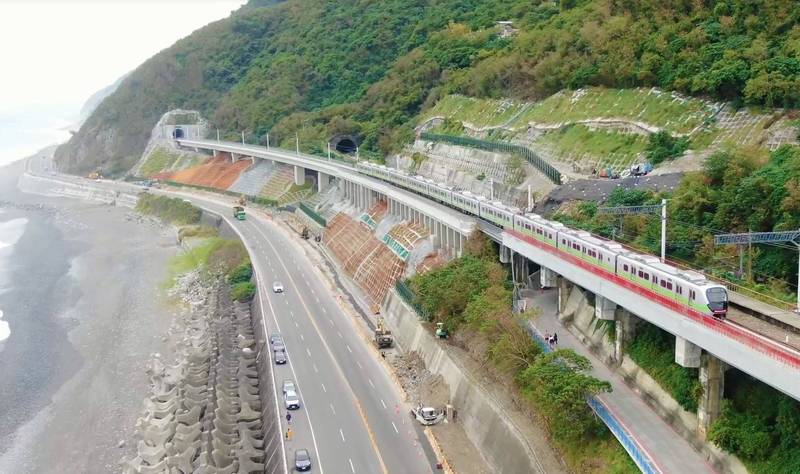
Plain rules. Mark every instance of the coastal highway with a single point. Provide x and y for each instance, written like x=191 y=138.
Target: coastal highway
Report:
x=352 y=418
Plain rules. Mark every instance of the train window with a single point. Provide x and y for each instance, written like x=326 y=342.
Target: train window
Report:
x=641 y=274
x=679 y=289
x=669 y=286
x=663 y=283
x=647 y=276
x=563 y=241
x=625 y=267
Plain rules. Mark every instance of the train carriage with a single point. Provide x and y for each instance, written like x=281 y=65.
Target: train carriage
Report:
x=535 y=226
x=467 y=201
x=498 y=214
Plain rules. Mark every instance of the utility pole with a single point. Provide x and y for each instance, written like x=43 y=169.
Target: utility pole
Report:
x=217 y=134
x=329 y=151
x=356 y=153
x=750 y=238
x=491 y=189
x=652 y=209
x=530 y=199
x=242 y=137
x=663 y=230
x=267 y=140
x=297 y=143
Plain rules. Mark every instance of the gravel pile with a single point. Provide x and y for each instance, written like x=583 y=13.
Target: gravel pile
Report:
x=204 y=414
x=420 y=385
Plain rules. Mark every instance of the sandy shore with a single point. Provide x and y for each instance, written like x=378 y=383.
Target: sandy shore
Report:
x=86 y=312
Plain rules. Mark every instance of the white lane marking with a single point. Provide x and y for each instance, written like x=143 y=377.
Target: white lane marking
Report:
x=330 y=321
x=315 y=368
x=323 y=388
x=383 y=403
x=339 y=334
x=371 y=384
x=348 y=348
x=359 y=365
x=351 y=466
x=341 y=433
x=296 y=325
x=308 y=351
x=324 y=310
x=302 y=338
x=395 y=428
x=332 y=409
x=291 y=313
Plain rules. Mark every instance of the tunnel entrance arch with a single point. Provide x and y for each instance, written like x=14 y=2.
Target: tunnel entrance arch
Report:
x=178 y=133
x=345 y=143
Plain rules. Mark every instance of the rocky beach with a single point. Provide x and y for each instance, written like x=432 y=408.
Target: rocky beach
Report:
x=80 y=291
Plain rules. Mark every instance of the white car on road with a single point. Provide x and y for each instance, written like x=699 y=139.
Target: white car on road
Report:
x=291 y=400
x=288 y=386
x=277 y=287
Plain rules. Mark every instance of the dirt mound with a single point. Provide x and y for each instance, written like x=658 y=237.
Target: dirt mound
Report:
x=217 y=172
x=421 y=385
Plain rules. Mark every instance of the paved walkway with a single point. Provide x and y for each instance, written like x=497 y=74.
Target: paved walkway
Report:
x=670 y=452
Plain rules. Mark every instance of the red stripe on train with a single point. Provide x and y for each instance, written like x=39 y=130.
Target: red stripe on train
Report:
x=774 y=351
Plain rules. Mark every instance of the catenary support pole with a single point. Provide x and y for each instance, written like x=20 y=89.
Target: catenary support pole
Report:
x=663 y=230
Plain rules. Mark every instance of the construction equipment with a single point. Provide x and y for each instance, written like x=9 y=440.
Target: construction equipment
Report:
x=441 y=332
x=242 y=200
x=304 y=233
x=383 y=336
x=238 y=212
x=427 y=415
x=95 y=175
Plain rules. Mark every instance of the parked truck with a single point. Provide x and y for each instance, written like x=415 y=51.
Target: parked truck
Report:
x=238 y=212
x=383 y=336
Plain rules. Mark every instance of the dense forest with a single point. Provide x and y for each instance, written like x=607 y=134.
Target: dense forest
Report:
x=319 y=68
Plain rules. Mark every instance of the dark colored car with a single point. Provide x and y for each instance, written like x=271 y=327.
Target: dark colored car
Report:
x=302 y=460
x=280 y=357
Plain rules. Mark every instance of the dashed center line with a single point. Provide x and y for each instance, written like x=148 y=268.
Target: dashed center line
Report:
x=348 y=348
x=308 y=351
x=351 y=466
x=296 y=325
x=359 y=365
x=383 y=403
x=323 y=388
x=395 y=428
x=315 y=368
x=370 y=383
x=339 y=334
x=302 y=338
x=332 y=409
x=341 y=433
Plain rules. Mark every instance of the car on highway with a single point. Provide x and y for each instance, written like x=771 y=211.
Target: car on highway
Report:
x=275 y=337
x=280 y=357
x=288 y=386
x=277 y=287
x=291 y=400
x=302 y=460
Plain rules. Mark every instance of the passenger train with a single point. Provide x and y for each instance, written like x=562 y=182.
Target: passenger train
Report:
x=679 y=289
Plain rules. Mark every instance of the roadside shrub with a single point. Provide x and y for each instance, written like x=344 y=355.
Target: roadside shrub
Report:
x=242 y=273
x=244 y=291
x=663 y=146
x=171 y=210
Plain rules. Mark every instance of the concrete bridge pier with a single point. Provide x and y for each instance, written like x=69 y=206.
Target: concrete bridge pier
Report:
x=712 y=378
x=505 y=254
x=323 y=181
x=564 y=287
x=686 y=353
x=519 y=267
x=547 y=278
x=604 y=308
x=625 y=329
x=299 y=175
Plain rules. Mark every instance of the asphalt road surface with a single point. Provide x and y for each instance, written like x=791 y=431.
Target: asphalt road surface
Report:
x=352 y=418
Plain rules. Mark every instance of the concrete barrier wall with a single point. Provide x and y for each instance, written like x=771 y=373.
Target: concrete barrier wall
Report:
x=501 y=443
x=55 y=187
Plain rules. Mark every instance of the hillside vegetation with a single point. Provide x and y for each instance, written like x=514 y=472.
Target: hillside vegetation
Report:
x=320 y=68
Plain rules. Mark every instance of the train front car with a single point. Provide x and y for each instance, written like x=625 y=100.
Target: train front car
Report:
x=717 y=300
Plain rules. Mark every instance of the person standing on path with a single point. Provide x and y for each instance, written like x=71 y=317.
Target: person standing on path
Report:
x=288 y=417
x=555 y=339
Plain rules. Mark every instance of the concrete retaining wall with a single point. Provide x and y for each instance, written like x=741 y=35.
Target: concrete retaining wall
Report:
x=500 y=441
